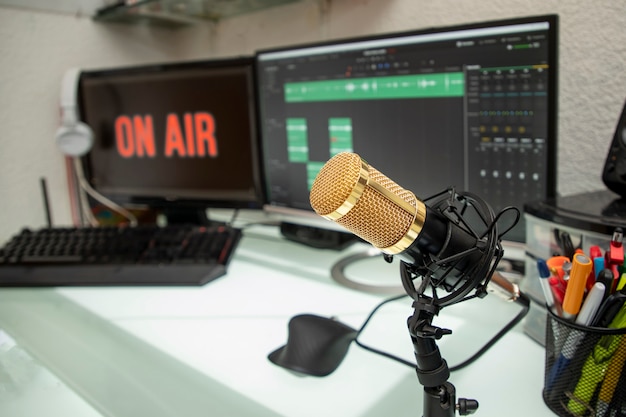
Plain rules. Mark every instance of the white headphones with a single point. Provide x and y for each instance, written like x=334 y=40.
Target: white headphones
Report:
x=73 y=137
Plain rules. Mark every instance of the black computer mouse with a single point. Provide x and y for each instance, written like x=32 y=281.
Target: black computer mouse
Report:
x=315 y=345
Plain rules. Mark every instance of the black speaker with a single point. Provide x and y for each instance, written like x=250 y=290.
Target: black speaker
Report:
x=614 y=174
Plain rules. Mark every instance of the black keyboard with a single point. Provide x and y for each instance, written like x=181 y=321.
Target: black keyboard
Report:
x=143 y=255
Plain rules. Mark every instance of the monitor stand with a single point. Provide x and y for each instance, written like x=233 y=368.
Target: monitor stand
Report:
x=187 y=215
x=317 y=237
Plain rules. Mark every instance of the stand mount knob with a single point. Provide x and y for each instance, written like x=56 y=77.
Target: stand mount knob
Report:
x=467 y=406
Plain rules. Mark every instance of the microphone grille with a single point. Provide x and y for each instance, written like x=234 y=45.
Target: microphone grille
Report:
x=381 y=220
x=335 y=182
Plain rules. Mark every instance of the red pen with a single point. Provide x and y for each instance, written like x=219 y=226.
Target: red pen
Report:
x=614 y=257
x=594 y=253
x=557 y=289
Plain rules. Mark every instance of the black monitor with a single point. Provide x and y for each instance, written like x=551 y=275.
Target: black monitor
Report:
x=471 y=106
x=177 y=138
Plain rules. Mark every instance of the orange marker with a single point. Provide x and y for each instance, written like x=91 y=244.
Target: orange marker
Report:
x=556 y=265
x=581 y=267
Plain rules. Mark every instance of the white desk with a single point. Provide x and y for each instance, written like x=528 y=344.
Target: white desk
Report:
x=174 y=351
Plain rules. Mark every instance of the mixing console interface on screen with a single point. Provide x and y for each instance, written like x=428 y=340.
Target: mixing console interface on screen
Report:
x=469 y=107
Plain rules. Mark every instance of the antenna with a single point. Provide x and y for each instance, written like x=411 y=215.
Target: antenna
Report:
x=46 y=201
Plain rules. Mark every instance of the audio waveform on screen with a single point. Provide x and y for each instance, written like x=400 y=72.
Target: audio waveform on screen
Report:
x=450 y=84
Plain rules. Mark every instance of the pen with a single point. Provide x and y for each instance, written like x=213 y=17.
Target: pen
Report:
x=598 y=266
x=544 y=279
x=567 y=268
x=581 y=266
x=585 y=317
x=611 y=380
x=595 y=366
x=567 y=246
x=558 y=290
x=595 y=252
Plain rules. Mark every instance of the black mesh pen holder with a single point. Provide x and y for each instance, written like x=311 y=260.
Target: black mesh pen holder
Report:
x=584 y=369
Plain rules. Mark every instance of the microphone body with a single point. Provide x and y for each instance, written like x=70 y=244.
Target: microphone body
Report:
x=354 y=194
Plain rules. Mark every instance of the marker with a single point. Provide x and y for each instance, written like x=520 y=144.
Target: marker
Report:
x=622 y=282
x=555 y=264
x=615 y=254
x=606 y=277
x=611 y=380
x=595 y=366
x=614 y=257
x=581 y=266
x=609 y=309
x=592 y=304
x=584 y=318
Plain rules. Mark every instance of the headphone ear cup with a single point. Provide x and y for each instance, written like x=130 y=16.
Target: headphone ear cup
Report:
x=75 y=140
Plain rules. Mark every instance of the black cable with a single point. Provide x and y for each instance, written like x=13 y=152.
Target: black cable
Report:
x=374 y=350
x=233 y=217
x=522 y=300
x=526 y=306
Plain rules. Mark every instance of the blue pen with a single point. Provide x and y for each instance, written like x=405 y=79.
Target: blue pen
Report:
x=584 y=318
x=544 y=280
x=598 y=266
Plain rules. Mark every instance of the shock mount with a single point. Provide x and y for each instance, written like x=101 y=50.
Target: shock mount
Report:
x=434 y=283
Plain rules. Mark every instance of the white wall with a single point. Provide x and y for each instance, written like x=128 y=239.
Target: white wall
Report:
x=37 y=47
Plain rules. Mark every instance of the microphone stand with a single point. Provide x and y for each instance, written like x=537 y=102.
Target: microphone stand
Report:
x=432 y=370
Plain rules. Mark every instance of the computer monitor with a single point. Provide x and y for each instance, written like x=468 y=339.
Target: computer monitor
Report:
x=177 y=138
x=471 y=106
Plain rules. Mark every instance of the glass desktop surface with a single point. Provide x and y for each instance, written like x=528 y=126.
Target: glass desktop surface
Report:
x=28 y=388
x=113 y=371
x=170 y=351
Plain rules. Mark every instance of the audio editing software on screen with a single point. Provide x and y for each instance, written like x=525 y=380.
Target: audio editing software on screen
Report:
x=465 y=107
